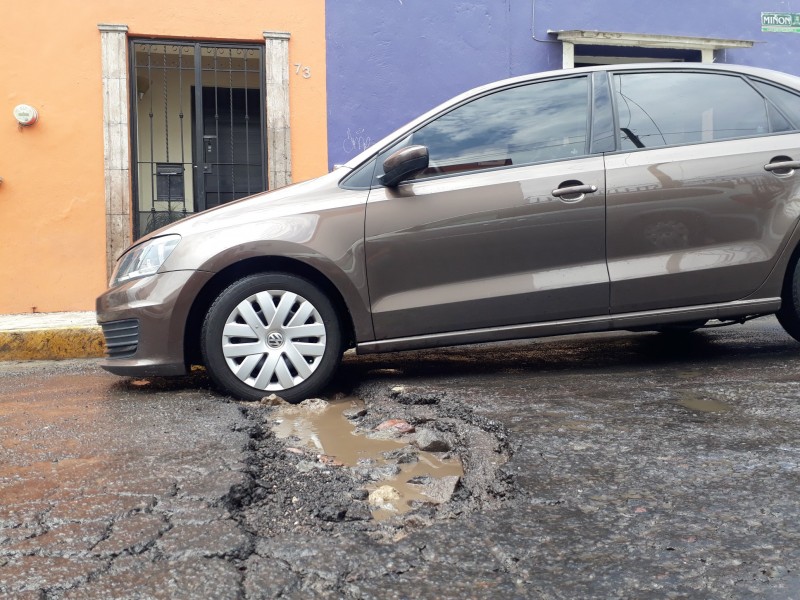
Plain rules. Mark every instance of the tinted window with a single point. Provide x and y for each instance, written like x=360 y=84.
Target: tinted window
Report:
x=661 y=109
x=362 y=178
x=787 y=102
x=777 y=122
x=532 y=123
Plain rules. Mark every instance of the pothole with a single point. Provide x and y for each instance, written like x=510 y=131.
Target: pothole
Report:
x=396 y=460
x=403 y=476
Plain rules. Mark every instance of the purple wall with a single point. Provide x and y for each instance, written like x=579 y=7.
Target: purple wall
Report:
x=389 y=60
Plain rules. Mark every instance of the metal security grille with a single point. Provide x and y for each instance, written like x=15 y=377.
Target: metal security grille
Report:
x=198 y=128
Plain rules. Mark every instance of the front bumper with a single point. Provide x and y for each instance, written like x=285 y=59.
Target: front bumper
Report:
x=144 y=322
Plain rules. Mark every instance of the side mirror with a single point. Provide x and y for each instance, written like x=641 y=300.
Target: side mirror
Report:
x=403 y=164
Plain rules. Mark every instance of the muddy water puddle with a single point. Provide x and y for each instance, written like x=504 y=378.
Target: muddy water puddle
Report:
x=700 y=403
x=412 y=476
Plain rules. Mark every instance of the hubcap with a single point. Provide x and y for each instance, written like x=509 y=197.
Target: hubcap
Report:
x=273 y=340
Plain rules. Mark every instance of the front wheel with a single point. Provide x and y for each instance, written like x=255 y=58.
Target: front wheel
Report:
x=272 y=333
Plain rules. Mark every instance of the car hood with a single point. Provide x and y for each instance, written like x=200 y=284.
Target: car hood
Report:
x=298 y=198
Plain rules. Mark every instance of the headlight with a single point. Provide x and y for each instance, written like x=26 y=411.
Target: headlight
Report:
x=144 y=259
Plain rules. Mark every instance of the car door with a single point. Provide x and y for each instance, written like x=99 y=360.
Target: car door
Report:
x=485 y=237
x=697 y=210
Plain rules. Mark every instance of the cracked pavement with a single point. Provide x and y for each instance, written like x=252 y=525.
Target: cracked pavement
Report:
x=640 y=465
x=112 y=492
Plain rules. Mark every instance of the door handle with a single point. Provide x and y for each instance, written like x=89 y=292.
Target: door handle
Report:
x=782 y=168
x=579 y=191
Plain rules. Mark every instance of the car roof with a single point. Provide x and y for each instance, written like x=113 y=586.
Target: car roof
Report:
x=768 y=74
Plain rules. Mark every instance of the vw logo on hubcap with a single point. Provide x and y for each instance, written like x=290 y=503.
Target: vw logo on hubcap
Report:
x=275 y=340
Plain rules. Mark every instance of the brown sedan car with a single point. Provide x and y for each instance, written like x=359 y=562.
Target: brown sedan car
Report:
x=626 y=197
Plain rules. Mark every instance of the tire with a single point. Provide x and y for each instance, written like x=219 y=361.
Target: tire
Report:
x=249 y=354
x=789 y=313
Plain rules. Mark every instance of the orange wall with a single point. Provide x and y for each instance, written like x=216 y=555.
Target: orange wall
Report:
x=52 y=203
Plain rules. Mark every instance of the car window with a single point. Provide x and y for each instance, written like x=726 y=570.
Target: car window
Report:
x=788 y=102
x=362 y=178
x=531 y=123
x=663 y=109
x=777 y=122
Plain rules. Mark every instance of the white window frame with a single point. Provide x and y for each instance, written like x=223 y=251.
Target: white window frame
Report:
x=706 y=46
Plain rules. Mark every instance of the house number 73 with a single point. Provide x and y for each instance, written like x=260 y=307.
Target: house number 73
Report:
x=302 y=70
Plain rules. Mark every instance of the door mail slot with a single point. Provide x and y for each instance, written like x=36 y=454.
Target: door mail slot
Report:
x=169 y=182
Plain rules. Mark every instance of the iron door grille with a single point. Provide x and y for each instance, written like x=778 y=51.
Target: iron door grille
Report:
x=198 y=128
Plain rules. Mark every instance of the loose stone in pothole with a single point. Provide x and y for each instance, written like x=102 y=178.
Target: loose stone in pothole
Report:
x=396 y=475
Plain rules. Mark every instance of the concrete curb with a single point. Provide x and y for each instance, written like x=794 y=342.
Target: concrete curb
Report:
x=50 y=337
x=52 y=344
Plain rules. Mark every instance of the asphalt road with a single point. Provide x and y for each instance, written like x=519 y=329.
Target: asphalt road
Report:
x=641 y=466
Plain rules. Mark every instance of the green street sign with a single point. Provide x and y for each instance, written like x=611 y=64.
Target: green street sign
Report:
x=782 y=22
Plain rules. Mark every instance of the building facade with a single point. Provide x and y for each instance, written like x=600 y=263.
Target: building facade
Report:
x=391 y=60
x=147 y=111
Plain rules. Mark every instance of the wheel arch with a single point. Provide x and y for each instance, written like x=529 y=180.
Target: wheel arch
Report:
x=779 y=278
x=788 y=315
x=249 y=266
x=788 y=270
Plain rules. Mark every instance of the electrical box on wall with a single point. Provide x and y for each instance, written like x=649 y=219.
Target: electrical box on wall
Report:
x=25 y=115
